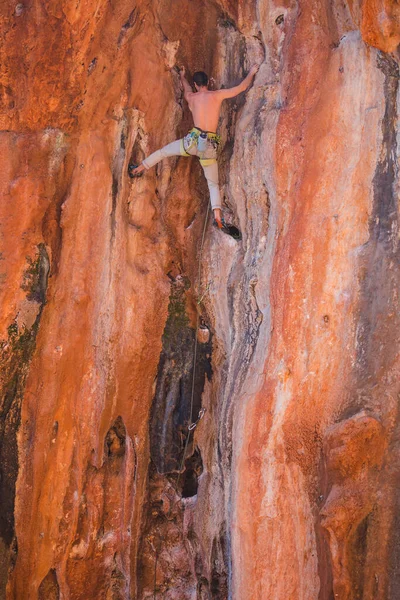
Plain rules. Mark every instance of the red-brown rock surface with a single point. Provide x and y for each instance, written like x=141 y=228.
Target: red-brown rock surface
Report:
x=290 y=487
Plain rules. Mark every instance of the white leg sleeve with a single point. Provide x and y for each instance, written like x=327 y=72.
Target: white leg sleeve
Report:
x=211 y=173
x=172 y=149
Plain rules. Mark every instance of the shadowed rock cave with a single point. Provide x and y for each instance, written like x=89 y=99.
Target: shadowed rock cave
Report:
x=171 y=407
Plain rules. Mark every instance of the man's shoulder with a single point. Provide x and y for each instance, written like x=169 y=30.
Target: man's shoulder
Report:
x=189 y=97
x=217 y=94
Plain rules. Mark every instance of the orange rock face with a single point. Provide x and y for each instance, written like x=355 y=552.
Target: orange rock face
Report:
x=287 y=488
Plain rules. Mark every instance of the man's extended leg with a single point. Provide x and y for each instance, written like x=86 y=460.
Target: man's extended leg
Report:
x=173 y=149
x=211 y=174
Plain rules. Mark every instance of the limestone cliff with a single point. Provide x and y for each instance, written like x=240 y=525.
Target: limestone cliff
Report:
x=289 y=489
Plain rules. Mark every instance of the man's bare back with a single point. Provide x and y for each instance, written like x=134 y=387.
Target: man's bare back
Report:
x=205 y=105
x=205 y=108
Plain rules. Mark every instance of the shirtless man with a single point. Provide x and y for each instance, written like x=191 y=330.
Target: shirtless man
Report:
x=202 y=140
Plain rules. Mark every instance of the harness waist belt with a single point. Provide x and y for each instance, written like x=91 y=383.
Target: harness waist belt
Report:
x=211 y=135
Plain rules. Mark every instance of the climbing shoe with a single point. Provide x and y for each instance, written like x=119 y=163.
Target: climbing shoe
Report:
x=229 y=229
x=131 y=168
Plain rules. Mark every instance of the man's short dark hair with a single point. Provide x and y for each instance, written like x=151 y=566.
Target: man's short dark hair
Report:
x=200 y=78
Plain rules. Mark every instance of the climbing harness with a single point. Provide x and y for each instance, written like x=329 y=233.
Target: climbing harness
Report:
x=203 y=144
x=196 y=132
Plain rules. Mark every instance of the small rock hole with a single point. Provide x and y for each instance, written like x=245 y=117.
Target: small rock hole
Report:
x=49 y=589
x=116 y=439
x=92 y=65
x=54 y=431
x=193 y=470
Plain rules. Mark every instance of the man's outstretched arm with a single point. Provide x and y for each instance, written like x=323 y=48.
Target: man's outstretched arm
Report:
x=186 y=85
x=242 y=87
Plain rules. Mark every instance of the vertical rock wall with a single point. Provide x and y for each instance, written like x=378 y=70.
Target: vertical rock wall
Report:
x=289 y=485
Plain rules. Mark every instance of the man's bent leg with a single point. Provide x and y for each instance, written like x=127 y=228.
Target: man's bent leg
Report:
x=211 y=174
x=172 y=149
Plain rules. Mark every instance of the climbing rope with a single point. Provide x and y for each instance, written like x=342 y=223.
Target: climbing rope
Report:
x=192 y=424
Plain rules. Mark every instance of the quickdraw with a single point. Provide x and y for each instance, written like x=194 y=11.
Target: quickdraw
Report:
x=201 y=415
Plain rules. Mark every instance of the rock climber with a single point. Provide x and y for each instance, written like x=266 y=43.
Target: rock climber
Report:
x=202 y=140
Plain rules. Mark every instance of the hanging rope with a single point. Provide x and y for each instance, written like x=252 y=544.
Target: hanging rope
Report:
x=192 y=425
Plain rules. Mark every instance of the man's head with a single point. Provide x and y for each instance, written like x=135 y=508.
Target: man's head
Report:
x=200 y=80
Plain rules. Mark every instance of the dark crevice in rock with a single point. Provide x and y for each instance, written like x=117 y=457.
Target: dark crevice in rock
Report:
x=129 y=24
x=16 y=354
x=137 y=153
x=163 y=529
x=49 y=588
x=227 y=22
x=359 y=557
x=203 y=589
x=219 y=560
x=385 y=207
x=376 y=338
x=381 y=251
x=116 y=175
x=170 y=413
x=123 y=140
x=51 y=224
x=92 y=66
x=191 y=474
x=36 y=276
x=118 y=583
x=114 y=195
